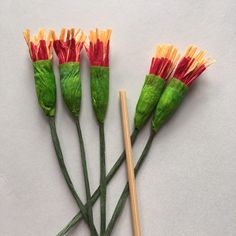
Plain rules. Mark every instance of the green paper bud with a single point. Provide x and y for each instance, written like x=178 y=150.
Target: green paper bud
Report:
x=148 y=99
x=99 y=77
x=45 y=86
x=169 y=101
x=71 y=86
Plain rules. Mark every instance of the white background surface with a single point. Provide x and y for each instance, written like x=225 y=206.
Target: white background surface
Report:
x=187 y=185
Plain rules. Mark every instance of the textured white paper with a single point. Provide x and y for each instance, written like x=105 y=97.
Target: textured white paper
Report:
x=187 y=185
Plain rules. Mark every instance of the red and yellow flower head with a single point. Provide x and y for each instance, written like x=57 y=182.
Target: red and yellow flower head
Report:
x=40 y=48
x=162 y=65
x=188 y=69
x=68 y=46
x=98 y=47
x=192 y=65
x=164 y=61
x=98 y=53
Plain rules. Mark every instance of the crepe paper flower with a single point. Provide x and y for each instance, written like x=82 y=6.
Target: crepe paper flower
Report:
x=162 y=65
x=188 y=70
x=40 y=50
x=125 y=193
x=68 y=49
x=98 y=54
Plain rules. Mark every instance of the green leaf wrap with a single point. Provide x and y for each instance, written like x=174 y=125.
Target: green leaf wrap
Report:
x=148 y=99
x=169 y=101
x=99 y=77
x=45 y=86
x=71 y=86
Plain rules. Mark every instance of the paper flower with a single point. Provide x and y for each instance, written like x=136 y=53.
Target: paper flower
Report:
x=40 y=50
x=68 y=49
x=188 y=70
x=98 y=53
x=162 y=65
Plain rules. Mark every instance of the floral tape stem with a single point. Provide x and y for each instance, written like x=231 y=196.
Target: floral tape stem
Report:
x=97 y=193
x=86 y=180
x=125 y=193
x=64 y=170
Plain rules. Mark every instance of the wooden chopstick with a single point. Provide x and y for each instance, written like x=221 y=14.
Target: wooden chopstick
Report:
x=130 y=166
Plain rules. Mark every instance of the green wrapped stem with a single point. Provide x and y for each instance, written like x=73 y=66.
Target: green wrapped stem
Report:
x=99 y=77
x=45 y=86
x=124 y=195
x=169 y=101
x=78 y=217
x=65 y=173
x=103 y=184
x=86 y=178
x=71 y=86
x=148 y=99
